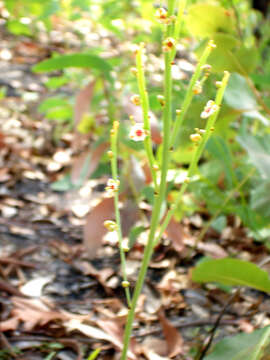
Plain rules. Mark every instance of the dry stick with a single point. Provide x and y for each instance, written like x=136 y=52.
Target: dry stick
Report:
x=213 y=331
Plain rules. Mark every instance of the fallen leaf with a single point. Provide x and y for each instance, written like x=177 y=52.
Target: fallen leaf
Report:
x=176 y=234
x=96 y=333
x=173 y=337
x=94 y=228
x=87 y=160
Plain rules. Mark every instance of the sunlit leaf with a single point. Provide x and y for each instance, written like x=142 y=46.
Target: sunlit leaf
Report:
x=232 y=272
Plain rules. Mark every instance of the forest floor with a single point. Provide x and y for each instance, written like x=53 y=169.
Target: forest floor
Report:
x=58 y=303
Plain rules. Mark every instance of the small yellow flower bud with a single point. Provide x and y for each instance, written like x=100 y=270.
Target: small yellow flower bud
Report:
x=161 y=100
x=206 y=67
x=218 y=84
x=155 y=167
x=212 y=44
x=197 y=89
x=110 y=225
x=110 y=154
x=212 y=129
x=187 y=180
x=135 y=99
x=178 y=112
x=134 y=71
x=125 y=284
x=195 y=137
x=125 y=246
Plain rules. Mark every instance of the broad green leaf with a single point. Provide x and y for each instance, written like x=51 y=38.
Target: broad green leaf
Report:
x=258 y=149
x=239 y=59
x=79 y=60
x=260 y=198
x=207 y=19
x=233 y=272
x=254 y=346
x=239 y=96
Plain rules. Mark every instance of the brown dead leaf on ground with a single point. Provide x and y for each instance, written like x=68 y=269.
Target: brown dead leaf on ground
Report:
x=173 y=338
x=94 y=228
x=33 y=313
x=177 y=235
x=89 y=158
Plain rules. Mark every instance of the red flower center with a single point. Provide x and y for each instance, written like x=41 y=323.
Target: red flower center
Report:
x=139 y=132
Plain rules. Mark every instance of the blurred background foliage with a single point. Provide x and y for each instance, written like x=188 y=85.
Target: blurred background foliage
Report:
x=234 y=173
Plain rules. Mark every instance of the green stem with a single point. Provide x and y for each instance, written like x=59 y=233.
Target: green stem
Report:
x=159 y=197
x=114 y=133
x=193 y=165
x=178 y=23
x=189 y=94
x=145 y=110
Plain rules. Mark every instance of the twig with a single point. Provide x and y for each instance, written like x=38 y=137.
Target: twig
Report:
x=217 y=323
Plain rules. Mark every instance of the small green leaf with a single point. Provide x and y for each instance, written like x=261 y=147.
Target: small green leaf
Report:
x=134 y=233
x=254 y=346
x=94 y=354
x=79 y=60
x=233 y=272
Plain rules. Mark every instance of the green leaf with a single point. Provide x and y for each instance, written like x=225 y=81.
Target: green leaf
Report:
x=260 y=198
x=133 y=234
x=206 y=19
x=17 y=28
x=94 y=354
x=238 y=94
x=220 y=150
x=64 y=184
x=79 y=60
x=254 y=346
x=258 y=149
x=233 y=272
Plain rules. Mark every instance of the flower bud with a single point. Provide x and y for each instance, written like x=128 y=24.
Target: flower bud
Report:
x=195 y=137
x=135 y=99
x=110 y=225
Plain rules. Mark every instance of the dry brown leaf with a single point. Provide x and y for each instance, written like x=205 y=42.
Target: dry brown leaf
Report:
x=177 y=235
x=94 y=229
x=79 y=162
x=96 y=333
x=173 y=337
x=82 y=105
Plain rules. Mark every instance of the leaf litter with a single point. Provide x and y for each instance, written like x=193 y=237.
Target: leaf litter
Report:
x=54 y=292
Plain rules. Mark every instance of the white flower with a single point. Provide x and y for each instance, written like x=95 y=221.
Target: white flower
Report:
x=195 y=138
x=137 y=132
x=112 y=187
x=209 y=109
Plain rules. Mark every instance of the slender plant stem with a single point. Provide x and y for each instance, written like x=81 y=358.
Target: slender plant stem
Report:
x=145 y=110
x=197 y=154
x=189 y=94
x=159 y=197
x=114 y=137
